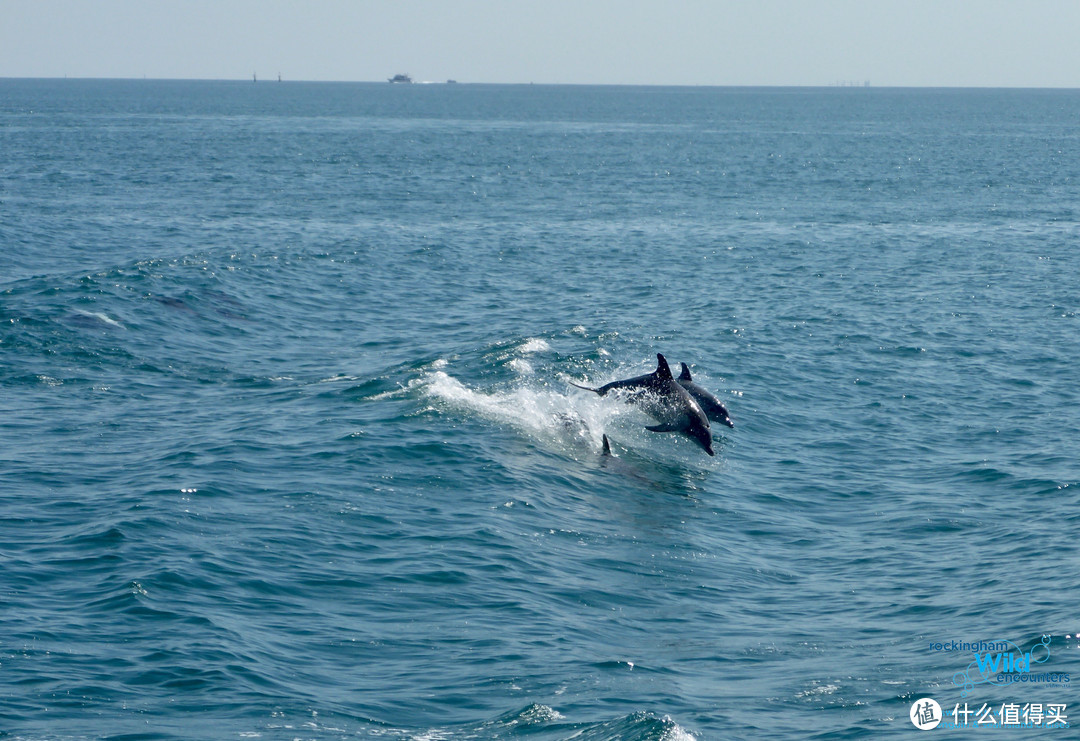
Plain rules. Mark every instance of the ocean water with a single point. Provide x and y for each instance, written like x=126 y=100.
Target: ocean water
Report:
x=288 y=445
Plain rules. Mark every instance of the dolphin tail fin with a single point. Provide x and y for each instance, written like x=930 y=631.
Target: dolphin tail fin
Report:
x=586 y=388
x=607 y=447
x=685 y=375
x=663 y=371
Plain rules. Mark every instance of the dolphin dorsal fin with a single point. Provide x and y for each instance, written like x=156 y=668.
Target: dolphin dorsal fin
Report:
x=607 y=447
x=685 y=375
x=662 y=369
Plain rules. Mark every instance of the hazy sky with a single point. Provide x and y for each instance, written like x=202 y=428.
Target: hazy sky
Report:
x=1028 y=43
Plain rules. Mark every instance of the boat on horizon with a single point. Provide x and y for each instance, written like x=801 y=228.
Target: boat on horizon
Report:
x=400 y=78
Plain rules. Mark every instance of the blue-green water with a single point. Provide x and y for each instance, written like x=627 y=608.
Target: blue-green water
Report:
x=288 y=447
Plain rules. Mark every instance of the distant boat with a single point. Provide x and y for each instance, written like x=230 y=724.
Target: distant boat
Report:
x=400 y=78
x=451 y=82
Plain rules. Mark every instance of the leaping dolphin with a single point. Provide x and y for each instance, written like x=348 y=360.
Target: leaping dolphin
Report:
x=714 y=410
x=661 y=396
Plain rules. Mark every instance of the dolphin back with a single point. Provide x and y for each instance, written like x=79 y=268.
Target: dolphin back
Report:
x=648 y=382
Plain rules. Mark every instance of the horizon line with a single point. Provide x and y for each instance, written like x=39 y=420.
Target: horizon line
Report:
x=843 y=84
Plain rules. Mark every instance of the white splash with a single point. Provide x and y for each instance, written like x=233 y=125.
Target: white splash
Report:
x=537 y=411
x=101 y=317
x=398 y=392
x=534 y=345
x=818 y=689
x=432 y=735
x=675 y=732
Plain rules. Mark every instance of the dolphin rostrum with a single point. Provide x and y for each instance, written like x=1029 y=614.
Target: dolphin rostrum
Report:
x=661 y=397
x=714 y=410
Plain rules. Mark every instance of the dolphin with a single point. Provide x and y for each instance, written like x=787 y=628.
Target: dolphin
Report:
x=571 y=423
x=608 y=460
x=661 y=397
x=714 y=410
x=616 y=465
